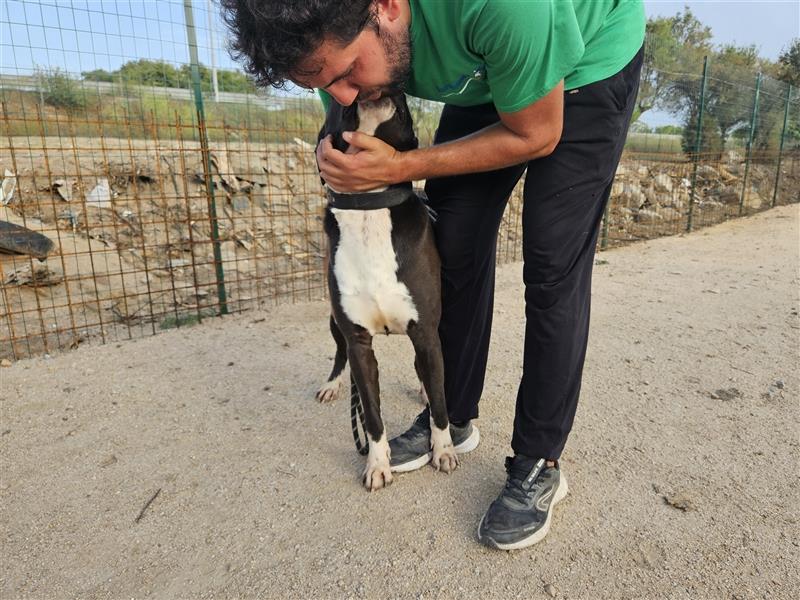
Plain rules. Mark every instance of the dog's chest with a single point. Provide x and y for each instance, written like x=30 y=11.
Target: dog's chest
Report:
x=365 y=267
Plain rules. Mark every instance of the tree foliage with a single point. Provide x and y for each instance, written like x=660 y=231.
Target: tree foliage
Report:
x=159 y=73
x=675 y=45
x=61 y=90
x=789 y=64
x=672 y=81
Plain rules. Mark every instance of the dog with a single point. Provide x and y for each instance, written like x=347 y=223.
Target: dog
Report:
x=384 y=277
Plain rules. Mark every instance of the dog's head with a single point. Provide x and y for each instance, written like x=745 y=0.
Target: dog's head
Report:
x=387 y=118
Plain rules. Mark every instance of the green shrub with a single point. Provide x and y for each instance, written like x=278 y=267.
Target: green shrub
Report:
x=61 y=90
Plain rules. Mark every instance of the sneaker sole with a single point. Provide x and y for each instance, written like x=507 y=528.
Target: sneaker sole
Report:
x=536 y=536
x=468 y=445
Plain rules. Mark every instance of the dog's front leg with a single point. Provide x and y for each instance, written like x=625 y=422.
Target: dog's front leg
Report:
x=364 y=367
x=430 y=368
x=330 y=390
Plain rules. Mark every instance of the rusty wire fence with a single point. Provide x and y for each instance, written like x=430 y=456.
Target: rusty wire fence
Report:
x=148 y=185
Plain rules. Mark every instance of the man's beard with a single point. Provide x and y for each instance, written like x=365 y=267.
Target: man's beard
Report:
x=397 y=49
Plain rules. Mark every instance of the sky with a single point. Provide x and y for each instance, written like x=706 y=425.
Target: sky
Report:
x=769 y=24
x=82 y=35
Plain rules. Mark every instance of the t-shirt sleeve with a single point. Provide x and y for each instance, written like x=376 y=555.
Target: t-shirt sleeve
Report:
x=326 y=99
x=529 y=46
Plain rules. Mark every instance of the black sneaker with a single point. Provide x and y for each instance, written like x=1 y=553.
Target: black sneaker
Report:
x=412 y=450
x=520 y=516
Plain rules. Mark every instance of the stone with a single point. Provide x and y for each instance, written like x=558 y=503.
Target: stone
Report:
x=707 y=172
x=663 y=182
x=680 y=501
x=632 y=193
x=648 y=215
x=753 y=200
x=728 y=195
x=726 y=394
x=670 y=214
x=228 y=251
x=8 y=187
x=240 y=202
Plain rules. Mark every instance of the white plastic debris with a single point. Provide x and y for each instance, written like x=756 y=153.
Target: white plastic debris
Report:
x=9 y=186
x=63 y=188
x=100 y=196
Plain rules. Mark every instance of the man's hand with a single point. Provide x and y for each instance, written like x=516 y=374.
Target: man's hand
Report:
x=369 y=163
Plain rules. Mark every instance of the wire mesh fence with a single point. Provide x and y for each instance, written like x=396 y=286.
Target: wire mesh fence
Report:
x=148 y=185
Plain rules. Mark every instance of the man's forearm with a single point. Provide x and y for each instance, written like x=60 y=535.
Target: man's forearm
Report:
x=529 y=133
x=493 y=147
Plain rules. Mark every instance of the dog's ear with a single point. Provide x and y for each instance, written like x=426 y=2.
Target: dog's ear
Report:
x=331 y=126
x=338 y=119
x=332 y=119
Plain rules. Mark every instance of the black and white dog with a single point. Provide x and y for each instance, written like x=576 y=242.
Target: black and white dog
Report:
x=383 y=277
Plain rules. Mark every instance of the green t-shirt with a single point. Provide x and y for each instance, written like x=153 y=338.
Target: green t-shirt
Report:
x=513 y=52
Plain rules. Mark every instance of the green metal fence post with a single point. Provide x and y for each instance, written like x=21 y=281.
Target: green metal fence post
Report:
x=201 y=126
x=750 y=144
x=780 y=148
x=604 y=230
x=697 y=140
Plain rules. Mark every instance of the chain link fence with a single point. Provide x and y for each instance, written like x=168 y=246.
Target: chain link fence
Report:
x=146 y=184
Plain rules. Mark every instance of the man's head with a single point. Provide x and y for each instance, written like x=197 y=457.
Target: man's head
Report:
x=353 y=49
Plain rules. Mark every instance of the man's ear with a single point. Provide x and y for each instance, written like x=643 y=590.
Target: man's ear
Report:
x=390 y=10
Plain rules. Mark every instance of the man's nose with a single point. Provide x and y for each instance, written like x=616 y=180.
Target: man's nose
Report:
x=343 y=92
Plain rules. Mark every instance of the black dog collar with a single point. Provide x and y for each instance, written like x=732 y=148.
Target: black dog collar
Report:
x=391 y=196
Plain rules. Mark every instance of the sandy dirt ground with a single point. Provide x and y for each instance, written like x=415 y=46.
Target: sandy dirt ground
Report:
x=683 y=463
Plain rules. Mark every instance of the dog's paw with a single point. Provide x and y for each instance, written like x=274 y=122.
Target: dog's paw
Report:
x=330 y=390
x=377 y=476
x=378 y=472
x=444 y=454
x=445 y=459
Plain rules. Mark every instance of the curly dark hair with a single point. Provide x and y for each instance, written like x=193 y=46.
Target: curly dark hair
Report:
x=272 y=37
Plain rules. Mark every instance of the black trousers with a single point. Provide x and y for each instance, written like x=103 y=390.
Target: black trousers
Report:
x=564 y=197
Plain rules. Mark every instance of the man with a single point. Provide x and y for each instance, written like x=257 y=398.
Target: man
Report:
x=547 y=85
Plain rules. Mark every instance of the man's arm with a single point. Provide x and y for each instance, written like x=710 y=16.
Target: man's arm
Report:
x=529 y=133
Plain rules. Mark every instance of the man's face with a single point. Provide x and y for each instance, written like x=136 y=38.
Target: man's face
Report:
x=374 y=64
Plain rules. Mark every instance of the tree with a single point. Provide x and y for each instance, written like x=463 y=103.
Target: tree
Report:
x=711 y=145
x=61 y=90
x=674 y=45
x=789 y=64
x=227 y=80
x=730 y=90
x=97 y=75
x=157 y=73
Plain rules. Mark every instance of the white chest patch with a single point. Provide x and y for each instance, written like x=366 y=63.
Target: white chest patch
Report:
x=365 y=264
x=365 y=267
